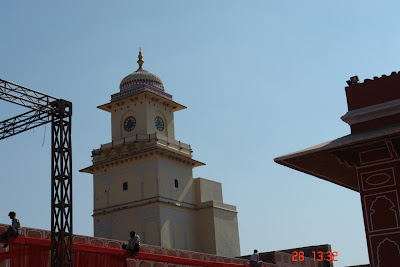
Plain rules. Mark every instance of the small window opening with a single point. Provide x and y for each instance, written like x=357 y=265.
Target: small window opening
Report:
x=176 y=183
x=125 y=186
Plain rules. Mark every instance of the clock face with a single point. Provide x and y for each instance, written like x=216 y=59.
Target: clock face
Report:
x=159 y=123
x=129 y=124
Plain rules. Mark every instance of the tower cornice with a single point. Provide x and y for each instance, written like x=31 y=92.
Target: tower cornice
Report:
x=166 y=201
x=141 y=93
x=119 y=158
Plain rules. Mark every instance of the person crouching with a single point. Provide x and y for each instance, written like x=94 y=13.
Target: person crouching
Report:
x=133 y=244
x=13 y=230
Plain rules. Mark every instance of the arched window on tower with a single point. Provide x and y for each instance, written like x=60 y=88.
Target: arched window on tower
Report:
x=176 y=183
x=125 y=186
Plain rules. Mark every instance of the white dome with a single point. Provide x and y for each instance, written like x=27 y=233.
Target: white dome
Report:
x=141 y=77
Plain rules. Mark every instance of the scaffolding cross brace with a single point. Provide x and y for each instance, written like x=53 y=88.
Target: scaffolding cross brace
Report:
x=45 y=109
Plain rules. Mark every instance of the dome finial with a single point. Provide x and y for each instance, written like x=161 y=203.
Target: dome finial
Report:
x=140 y=61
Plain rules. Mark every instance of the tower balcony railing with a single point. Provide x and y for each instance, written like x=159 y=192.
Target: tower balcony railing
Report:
x=152 y=139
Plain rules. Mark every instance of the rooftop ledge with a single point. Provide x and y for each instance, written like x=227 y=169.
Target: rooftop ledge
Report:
x=216 y=204
x=155 y=138
x=164 y=200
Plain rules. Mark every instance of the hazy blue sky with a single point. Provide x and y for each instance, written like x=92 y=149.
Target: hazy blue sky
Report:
x=260 y=79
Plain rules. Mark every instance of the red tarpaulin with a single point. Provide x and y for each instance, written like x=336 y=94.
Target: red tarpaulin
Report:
x=35 y=252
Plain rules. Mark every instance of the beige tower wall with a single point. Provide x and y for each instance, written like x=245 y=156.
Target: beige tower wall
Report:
x=217 y=222
x=178 y=227
x=226 y=233
x=120 y=113
x=158 y=110
x=144 y=220
x=145 y=111
x=205 y=231
x=207 y=190
x=168 y=171
x=141 y=176
x=217 y=230
x=195 y=218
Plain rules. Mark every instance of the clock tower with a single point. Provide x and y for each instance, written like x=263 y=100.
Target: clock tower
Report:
x=143 y=181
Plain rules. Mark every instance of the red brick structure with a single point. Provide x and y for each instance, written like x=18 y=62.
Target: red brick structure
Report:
x=282 y=258
x=44 y=234
x=367 y=161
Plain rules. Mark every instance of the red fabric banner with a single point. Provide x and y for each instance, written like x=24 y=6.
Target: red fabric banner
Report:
x=35 y=252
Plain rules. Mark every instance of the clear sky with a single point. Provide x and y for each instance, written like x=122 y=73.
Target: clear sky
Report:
x=260 y=79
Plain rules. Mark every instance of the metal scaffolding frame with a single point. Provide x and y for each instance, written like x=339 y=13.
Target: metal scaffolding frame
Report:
x=44 y=109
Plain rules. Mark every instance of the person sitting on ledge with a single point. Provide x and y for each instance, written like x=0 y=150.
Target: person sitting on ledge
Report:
x=13 y=230
x=133 y=244
x=255 y=259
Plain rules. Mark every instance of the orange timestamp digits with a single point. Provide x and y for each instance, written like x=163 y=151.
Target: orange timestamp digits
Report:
x=317 y=255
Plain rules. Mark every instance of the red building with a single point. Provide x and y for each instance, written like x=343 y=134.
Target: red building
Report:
x=366 y=161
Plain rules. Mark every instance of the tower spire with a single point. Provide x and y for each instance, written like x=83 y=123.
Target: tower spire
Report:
x=140 y=61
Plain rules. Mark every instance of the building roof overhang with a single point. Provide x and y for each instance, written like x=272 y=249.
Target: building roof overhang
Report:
x=156 y=149
x=322 y=161
x=166 y=101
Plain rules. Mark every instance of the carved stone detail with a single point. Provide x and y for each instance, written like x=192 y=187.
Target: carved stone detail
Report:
x=394 y=147
x=351 y=158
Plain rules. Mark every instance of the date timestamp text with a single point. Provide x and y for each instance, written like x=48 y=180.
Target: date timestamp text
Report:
x=316 y=255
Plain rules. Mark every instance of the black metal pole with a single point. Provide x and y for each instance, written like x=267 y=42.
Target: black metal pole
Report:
x=61 y=185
